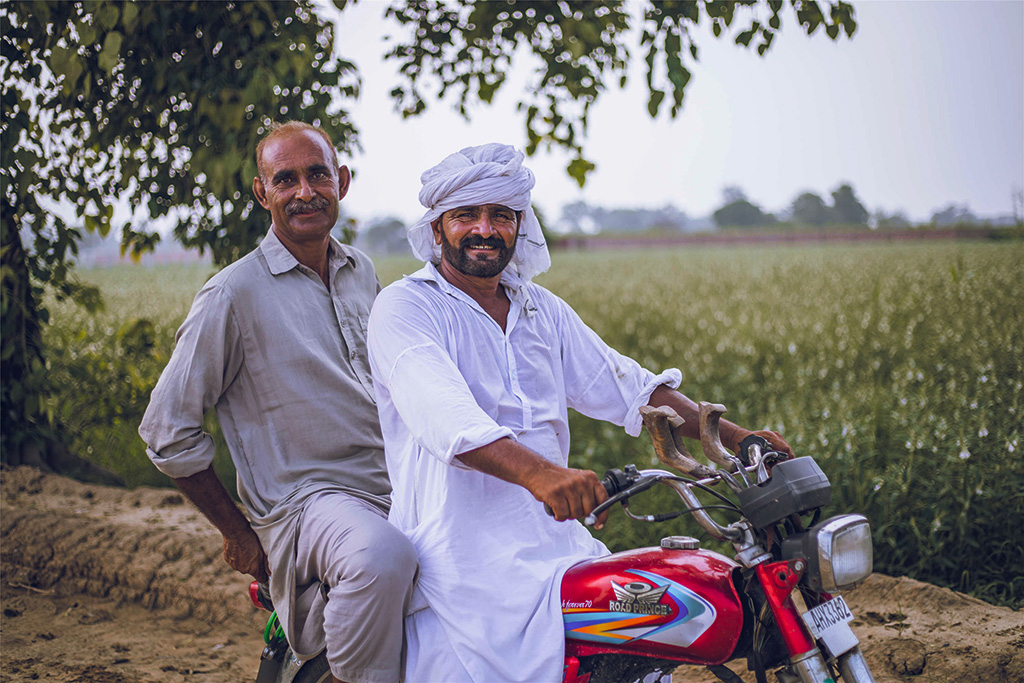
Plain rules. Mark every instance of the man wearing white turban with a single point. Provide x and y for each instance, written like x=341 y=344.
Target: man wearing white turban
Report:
x=475 y=367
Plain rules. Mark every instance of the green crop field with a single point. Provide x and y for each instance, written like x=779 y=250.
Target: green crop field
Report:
x=899 y=368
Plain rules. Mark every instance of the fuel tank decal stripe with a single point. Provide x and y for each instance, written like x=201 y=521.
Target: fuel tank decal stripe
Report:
x=600 y=626
x=694 y=615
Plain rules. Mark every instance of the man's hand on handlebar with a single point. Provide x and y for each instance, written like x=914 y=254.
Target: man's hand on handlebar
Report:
x=777 y=442
x=569 y=493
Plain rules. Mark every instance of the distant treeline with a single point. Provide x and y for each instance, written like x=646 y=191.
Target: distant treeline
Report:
x=807 y=210
x=807 y=213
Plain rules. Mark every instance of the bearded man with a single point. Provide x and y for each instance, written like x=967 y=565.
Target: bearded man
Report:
x=276 y=342
x=475 y=367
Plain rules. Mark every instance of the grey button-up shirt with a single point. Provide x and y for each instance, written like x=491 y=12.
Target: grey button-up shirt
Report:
x=283 y=361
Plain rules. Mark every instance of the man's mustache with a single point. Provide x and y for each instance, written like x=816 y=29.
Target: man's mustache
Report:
x=298 y=206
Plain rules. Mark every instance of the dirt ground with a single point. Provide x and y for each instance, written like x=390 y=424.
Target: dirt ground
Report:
x=103 y=585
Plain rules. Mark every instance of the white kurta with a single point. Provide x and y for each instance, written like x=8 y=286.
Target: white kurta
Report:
x=449 y=380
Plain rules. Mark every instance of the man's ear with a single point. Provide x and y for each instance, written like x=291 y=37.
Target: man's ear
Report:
x=344 y=180
x=260 y=191
x=436 y=228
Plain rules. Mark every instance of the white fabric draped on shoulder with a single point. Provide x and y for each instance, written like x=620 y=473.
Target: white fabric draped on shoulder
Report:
x=488 y=174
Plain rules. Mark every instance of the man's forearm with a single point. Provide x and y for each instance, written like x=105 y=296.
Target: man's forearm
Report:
x=242 y=547
x=509 y=461
x=570 y=493
x=207 y=493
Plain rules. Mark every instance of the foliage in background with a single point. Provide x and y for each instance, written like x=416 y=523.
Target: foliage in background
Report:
x=740 y=212
x=160 y=104
x=846 y=210
x=900 y=369
x=157 y=104
x=468 y=48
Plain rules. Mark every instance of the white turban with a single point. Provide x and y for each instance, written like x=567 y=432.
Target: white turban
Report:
x=488 y=174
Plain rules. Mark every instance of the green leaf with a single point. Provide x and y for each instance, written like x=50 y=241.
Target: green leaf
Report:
x=111 y=52
x=86 y=32
x=654 y=103
x=832 y=30
x=578 y=169
x=129 y=15
x=108 y=15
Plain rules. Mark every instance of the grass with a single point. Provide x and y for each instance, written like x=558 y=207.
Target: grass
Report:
x=899 y=368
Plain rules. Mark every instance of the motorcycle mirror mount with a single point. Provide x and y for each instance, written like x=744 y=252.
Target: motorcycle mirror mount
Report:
x=711 y=441
x=663 y=425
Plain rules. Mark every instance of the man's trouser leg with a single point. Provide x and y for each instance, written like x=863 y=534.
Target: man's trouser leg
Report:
x=369 y=566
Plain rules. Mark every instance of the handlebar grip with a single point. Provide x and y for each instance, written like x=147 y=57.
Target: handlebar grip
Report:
x=614 y=481
x=752 y=440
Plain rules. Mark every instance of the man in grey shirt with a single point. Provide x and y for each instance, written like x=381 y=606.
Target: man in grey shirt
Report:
x=276 y=342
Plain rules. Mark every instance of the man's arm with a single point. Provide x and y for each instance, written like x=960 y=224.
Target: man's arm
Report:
x=731 y=434
x=207 y=356
x=242 y=549
x=570 y=493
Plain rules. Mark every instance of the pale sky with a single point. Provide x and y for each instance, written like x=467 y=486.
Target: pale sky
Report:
x=922 y=108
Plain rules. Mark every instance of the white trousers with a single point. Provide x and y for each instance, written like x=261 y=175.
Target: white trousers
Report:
x=369 y=566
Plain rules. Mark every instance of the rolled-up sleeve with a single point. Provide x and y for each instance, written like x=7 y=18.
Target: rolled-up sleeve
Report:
x=601 y=382
x=432 y=399
x=207 y=356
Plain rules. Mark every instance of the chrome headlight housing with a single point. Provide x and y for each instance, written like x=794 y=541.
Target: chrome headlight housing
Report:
x=838 y=552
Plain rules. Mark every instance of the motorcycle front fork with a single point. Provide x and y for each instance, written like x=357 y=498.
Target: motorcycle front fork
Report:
x=852 y=666
x=779 y=579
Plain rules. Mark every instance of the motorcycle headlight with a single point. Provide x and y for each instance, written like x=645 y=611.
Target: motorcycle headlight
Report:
x=838 y=552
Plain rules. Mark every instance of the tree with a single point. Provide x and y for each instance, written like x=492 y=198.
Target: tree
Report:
x=846 y=208
x=467 y=48
x=739 y=212
x=160 y=104
x=954 y=214
x=810 y=209
x=896 y=219
x=733 y=193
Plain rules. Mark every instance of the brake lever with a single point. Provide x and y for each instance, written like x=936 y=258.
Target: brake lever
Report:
x=642 y=484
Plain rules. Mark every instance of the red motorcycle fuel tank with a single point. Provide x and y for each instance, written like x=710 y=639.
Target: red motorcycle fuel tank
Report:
x=656 y=602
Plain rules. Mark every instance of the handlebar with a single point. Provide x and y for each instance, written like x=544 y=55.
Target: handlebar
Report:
x=664 y=425
x=641 y=480
x=621 y=485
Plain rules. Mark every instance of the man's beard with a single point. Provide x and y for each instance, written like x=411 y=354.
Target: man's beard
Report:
x=461 y=261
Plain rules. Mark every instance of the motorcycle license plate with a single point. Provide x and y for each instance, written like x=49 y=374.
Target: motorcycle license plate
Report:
x=829 y=623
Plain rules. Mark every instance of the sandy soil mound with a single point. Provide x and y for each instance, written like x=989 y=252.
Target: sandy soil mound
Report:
x=103 y=585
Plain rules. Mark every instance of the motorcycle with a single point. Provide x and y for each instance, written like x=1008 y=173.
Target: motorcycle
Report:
x=638 y=615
